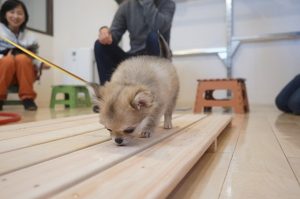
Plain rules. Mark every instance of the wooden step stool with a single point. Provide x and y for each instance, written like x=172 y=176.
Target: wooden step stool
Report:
x=71 y=98
x=205 y=99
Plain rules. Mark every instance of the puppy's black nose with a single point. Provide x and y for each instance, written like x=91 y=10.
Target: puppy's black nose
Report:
x=119 y=140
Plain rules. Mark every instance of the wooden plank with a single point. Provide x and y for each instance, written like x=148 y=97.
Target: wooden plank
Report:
x=259 y=168
x=45 y=122
x=287 y=133
x=154 y=172
x=29 y=128
x=40 y=138
x=206 y=178
x=295 y=165
x=80 y=165
x=213 y=147
x=41 y=134
x=22 y=158
x=53 y=125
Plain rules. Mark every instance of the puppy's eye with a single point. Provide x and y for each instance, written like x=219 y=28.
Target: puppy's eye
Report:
x=109 y=130
x=129 y=130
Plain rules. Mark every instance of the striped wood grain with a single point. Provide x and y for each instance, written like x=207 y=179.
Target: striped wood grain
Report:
x=60 y=173
x=154 y=172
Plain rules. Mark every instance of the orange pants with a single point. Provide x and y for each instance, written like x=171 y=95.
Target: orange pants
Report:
x=18 y=70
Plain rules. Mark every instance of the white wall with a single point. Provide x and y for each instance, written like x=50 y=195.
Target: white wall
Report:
x=267 y=66
x=43 y=87
x=76 y=24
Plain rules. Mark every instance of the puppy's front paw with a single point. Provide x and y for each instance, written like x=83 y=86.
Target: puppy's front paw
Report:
x=168 y=124
x=145 y=134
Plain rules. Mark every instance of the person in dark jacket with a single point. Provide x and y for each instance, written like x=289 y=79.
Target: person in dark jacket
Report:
x=147 y=21
x=288 y=100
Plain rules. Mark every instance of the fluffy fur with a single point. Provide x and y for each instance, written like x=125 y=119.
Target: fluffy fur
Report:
x=141 y=90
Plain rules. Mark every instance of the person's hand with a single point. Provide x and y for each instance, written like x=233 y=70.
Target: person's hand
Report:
x=105 y=37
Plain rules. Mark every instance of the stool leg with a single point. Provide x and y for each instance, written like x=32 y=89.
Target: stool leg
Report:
x=245 y=97
x=53 y=98
x=238 y=102
x=87 y=97
x=208 y=96
x=67 y=98
x=73 y=98
x=199 y=98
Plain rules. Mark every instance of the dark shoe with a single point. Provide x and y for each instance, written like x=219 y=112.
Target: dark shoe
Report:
x=29 y=105
x=1 y=105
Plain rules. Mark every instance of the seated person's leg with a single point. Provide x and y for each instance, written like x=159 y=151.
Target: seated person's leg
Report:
x=294 y=102
x=26 y=76
x=152 y=44
x=107 y=58
x=285 y=94
x=156 y=45
x=7 y=73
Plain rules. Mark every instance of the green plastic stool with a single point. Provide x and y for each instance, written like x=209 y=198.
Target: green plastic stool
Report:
x=71 y=98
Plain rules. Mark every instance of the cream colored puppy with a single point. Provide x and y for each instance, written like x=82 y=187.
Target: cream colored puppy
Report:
x=141 y=90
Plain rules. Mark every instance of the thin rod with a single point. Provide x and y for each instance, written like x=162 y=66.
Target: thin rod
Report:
x=43 y=60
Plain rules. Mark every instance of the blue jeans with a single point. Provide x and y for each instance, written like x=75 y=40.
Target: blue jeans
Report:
x=108 y=57
x=288 y=100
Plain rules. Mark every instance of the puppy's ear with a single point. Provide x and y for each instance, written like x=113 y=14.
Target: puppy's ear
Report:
x=98 y=97
x=142 y=99
x=98 y=90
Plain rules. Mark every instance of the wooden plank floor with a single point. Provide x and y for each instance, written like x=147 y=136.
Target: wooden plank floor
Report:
x=62 y=158
x=257 y=157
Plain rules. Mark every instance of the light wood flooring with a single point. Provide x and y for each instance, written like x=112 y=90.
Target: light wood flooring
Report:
x=257 y=157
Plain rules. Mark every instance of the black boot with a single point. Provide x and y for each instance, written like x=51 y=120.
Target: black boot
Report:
x=29 y=105
x=1 y=105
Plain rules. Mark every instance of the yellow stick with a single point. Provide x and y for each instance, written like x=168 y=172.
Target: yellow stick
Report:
x=43 y=60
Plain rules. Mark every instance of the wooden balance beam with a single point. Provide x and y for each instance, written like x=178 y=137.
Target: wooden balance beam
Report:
x=75 y=158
